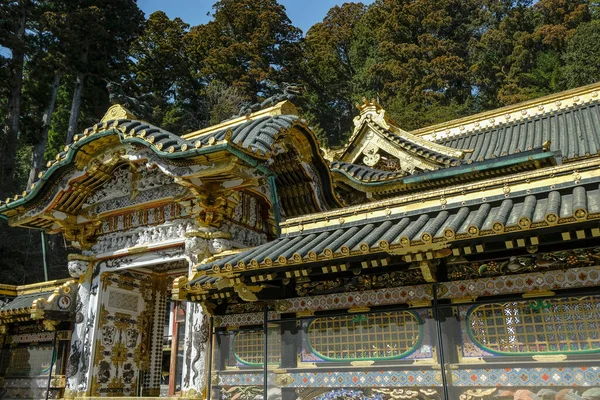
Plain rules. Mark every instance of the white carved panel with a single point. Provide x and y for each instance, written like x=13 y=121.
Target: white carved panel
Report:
x=119 y=300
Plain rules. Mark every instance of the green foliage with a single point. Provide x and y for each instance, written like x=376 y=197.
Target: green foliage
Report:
x=248 y=44
x=223 y=101
x=580 y=59
x=328 y=68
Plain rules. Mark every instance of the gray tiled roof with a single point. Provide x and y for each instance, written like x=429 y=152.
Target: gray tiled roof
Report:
x=24 y=301
x=252 y=136
x=258 y=134
x=364 y=173
x=538 y=209
x=370 y=176
x=410 y=143
x=575 y=131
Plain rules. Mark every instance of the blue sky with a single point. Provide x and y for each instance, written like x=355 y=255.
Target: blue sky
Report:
x=303 y=13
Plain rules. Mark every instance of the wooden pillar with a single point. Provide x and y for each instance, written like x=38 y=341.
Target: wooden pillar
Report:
x=290 y=348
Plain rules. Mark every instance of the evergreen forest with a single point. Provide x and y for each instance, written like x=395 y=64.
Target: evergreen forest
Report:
x=425 y=61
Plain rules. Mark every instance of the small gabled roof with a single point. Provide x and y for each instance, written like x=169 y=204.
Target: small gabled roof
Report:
x=23 y=302
x=511 y=163
x=55 y=299
x=376 y=132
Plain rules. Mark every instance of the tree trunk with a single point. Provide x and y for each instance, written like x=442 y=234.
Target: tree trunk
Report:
x=37 y=157
x=11 y=128
x=75 y=106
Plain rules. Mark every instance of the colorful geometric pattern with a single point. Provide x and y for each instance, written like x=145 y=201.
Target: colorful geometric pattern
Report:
x=241 y=379
x=365 y=336
x=248 y=347
x=347 y=394
x=378 y=297
x=382 y=335
x=412 y=378
x=547 y=376
x=31 y=337
x=566 y=325
x=509 y=284
x=242 y=319
x=523 y=283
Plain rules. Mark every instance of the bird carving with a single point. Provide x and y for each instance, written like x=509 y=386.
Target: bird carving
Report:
x=246 y=293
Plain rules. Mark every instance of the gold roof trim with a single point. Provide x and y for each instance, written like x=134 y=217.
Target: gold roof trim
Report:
x=40 y=287
x=437 y=197
x=281 y=108
x=117 y=111
x=517 y=112
x=376 y=134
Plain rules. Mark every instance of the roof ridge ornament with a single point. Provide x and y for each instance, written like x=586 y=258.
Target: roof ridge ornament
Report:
x=380 y=143
x=290 y=92
x=285 y=107
x=117 y=111
x=372 y=110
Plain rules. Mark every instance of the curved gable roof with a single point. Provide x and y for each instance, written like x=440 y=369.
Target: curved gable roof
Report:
x=252 y=140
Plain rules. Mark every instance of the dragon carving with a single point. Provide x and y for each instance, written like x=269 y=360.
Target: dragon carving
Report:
x=290 y=92
x=199 y=339
x=116 y=95
x=73 y=365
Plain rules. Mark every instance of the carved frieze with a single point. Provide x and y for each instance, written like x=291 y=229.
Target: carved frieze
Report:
x=143 y=236
x=127 y=181
x=242 y=236
x=157 y=193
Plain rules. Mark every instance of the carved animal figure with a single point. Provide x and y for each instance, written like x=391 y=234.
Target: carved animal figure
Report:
x=73 y=365
x=198 y=347
x=290 y=91
x=116 y=95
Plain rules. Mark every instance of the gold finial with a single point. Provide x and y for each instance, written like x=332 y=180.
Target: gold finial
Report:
x=117 y=111
x=546 y=145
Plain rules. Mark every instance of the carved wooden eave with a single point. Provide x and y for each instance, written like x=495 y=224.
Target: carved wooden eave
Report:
x=273 y=155
x=377 y=140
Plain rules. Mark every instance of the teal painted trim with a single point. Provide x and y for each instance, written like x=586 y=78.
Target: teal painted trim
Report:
x=483 y=166
x=353 y=179
x=511 y=353
x=275 y=200
x=456 y=171
x=399 y=356
x=270 y=181
x=240 y=359
x=76 y=146
x=44 y=256
x=251 y=161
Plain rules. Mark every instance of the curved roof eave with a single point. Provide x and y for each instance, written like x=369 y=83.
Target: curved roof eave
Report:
x=67 y=157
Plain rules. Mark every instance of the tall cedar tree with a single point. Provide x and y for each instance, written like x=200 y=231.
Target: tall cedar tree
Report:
x=418 y=58
x=328 y=70
x=249 y=44
x=96 y=35
x=162 y=76
x=583 y=46
x=14 y=16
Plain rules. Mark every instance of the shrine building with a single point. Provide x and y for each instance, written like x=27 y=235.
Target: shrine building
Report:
x=243 y=262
